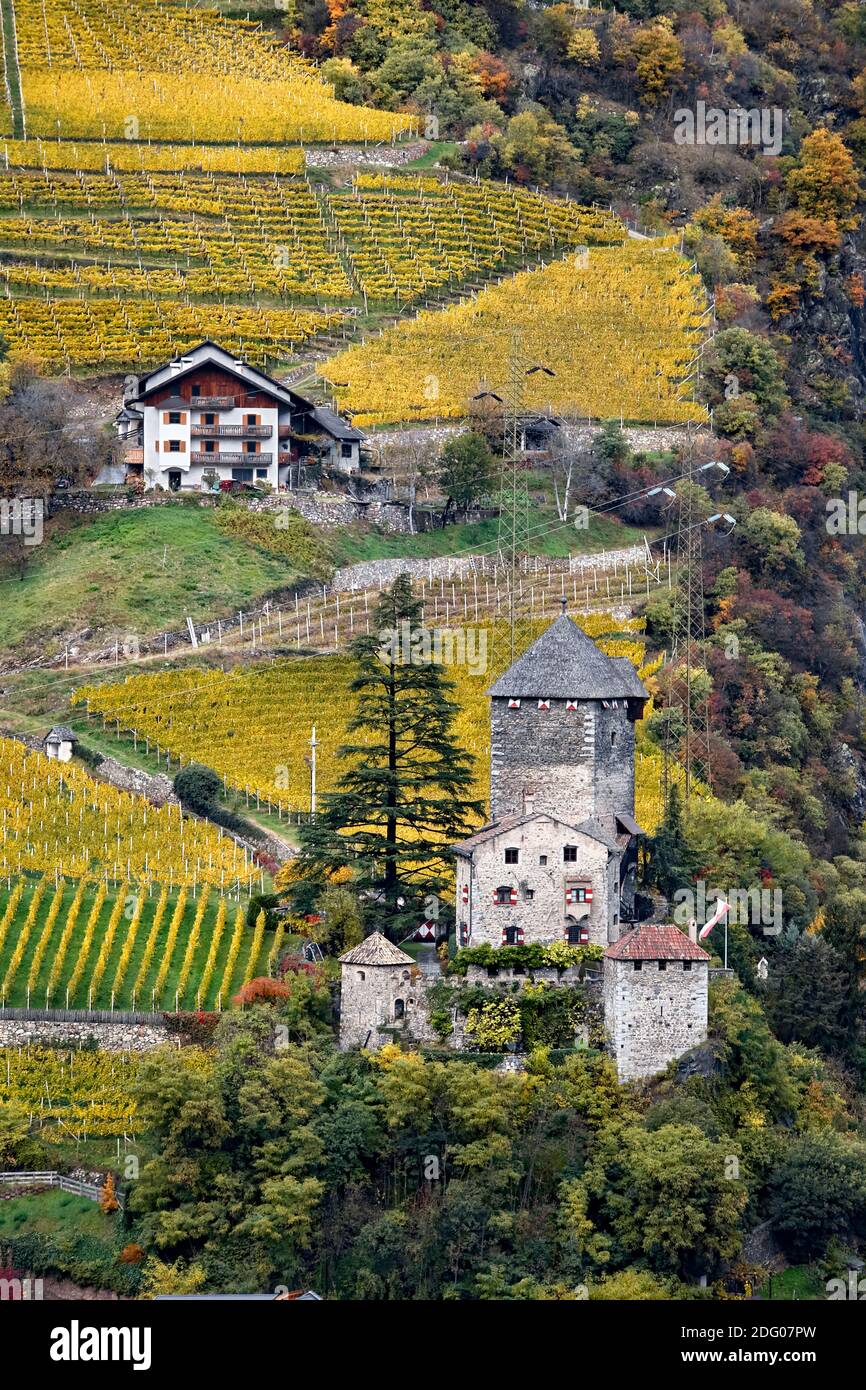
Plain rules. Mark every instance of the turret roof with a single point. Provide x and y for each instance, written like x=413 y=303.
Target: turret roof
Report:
x=376 y=950
x=565 y=664
x=650 y=942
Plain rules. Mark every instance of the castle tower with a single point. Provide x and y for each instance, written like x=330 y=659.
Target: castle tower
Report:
x=557 y=861
x=655 y=999
x=562 y=727
x=377 y=991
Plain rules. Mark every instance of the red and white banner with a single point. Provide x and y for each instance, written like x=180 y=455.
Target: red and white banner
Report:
x=722 y=910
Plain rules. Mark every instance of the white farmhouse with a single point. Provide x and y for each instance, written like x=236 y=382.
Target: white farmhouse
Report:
x=208 y=420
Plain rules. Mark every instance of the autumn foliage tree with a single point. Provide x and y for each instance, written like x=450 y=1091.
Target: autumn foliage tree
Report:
x=824 y=181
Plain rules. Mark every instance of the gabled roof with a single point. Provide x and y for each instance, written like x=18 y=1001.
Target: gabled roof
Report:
x=649 y=942
x=376 y=950
x=590 y=828
x=332 y=424
x=565 y=664
x=192 y=361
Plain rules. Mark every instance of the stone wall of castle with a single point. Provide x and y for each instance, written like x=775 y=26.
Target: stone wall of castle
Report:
x=653 y=1014
x=576 y=768
x=540 y=879
x=373 y=997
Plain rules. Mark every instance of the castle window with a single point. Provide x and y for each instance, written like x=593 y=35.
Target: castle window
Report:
x=663 y=965
x=638 y=965
x=569 y=854
x=399 y=1008
x=512 y=856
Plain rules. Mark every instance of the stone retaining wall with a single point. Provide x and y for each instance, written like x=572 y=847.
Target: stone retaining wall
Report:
x=154 y=786
x=369 y=156
x=112 y=1037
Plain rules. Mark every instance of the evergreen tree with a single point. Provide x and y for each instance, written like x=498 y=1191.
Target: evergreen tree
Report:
x=405 y=793
x=671 y=864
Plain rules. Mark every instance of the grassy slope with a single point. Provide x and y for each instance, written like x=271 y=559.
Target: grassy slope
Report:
x=141 y=572
x=132 y=572
x=552 y=537
x=56 y=1213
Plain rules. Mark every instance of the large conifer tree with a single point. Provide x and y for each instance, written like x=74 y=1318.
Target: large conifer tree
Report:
x=405 y=792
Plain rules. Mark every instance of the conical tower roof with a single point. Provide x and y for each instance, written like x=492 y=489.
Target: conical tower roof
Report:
x=376 y=950
x=565 y=664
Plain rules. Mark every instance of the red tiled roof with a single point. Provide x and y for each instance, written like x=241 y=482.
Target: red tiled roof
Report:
x=655 y=943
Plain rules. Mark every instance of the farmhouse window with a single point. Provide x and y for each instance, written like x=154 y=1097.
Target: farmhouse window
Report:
x=512 y=856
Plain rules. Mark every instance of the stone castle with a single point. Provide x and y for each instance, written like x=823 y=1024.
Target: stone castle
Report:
x=557 y=862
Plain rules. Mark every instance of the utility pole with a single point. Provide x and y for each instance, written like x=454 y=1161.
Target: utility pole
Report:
x=311 y=762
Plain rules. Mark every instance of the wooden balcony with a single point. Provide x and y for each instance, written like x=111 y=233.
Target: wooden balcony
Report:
x=251 y=460
x=231 y=431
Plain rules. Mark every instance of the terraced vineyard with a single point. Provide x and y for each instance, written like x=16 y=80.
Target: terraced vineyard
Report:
x=53 y=816
x=67 y=944
x=252 y=724
x=156 y=71
x=108 y=269
x=617 y=328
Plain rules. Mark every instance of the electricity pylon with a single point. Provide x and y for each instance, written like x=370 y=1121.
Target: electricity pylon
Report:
x=513 y=531
x=687 y=715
